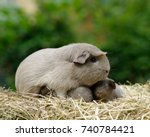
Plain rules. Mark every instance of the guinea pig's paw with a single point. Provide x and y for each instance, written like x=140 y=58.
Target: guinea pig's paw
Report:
x=61 y=94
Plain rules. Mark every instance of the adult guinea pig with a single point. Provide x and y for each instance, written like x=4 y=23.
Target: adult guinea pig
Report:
x=62 y=69
x=81 y=92
x=106 y=90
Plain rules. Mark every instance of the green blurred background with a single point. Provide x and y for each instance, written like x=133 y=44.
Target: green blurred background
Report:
x=120 y=27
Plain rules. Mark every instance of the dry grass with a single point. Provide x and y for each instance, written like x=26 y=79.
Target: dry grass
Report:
x=135 y=105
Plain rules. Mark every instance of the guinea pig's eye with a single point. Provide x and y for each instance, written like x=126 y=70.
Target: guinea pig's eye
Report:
x=93 y=59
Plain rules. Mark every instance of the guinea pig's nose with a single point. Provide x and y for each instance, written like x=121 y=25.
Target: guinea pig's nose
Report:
x=107 y=71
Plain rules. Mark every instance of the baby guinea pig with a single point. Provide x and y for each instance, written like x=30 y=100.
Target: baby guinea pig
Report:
x=62 y=69
x=106 y=90
x=81 y=92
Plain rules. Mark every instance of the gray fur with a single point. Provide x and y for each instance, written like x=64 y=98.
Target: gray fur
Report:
x=81 y=92
x=61 y=69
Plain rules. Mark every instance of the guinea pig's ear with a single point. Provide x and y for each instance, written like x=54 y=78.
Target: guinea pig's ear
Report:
x=102 y=53
x=112 y=84
x=81 y=58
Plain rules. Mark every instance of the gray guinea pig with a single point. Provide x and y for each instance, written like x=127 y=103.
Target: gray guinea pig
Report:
x=106 y=90
x=81 y=92
x=62 y=69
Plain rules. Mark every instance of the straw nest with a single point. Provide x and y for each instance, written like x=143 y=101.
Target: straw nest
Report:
x=135 y=105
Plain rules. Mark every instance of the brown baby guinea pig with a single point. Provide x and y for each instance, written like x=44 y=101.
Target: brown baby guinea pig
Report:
x=106 y=90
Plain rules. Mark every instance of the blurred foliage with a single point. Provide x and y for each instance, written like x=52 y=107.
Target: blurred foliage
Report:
x=119 y=27
x=129 y=41
x=20 y=35
x=122 y=29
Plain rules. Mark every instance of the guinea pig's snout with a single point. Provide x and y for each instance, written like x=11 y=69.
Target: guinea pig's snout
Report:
x=106 y=71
